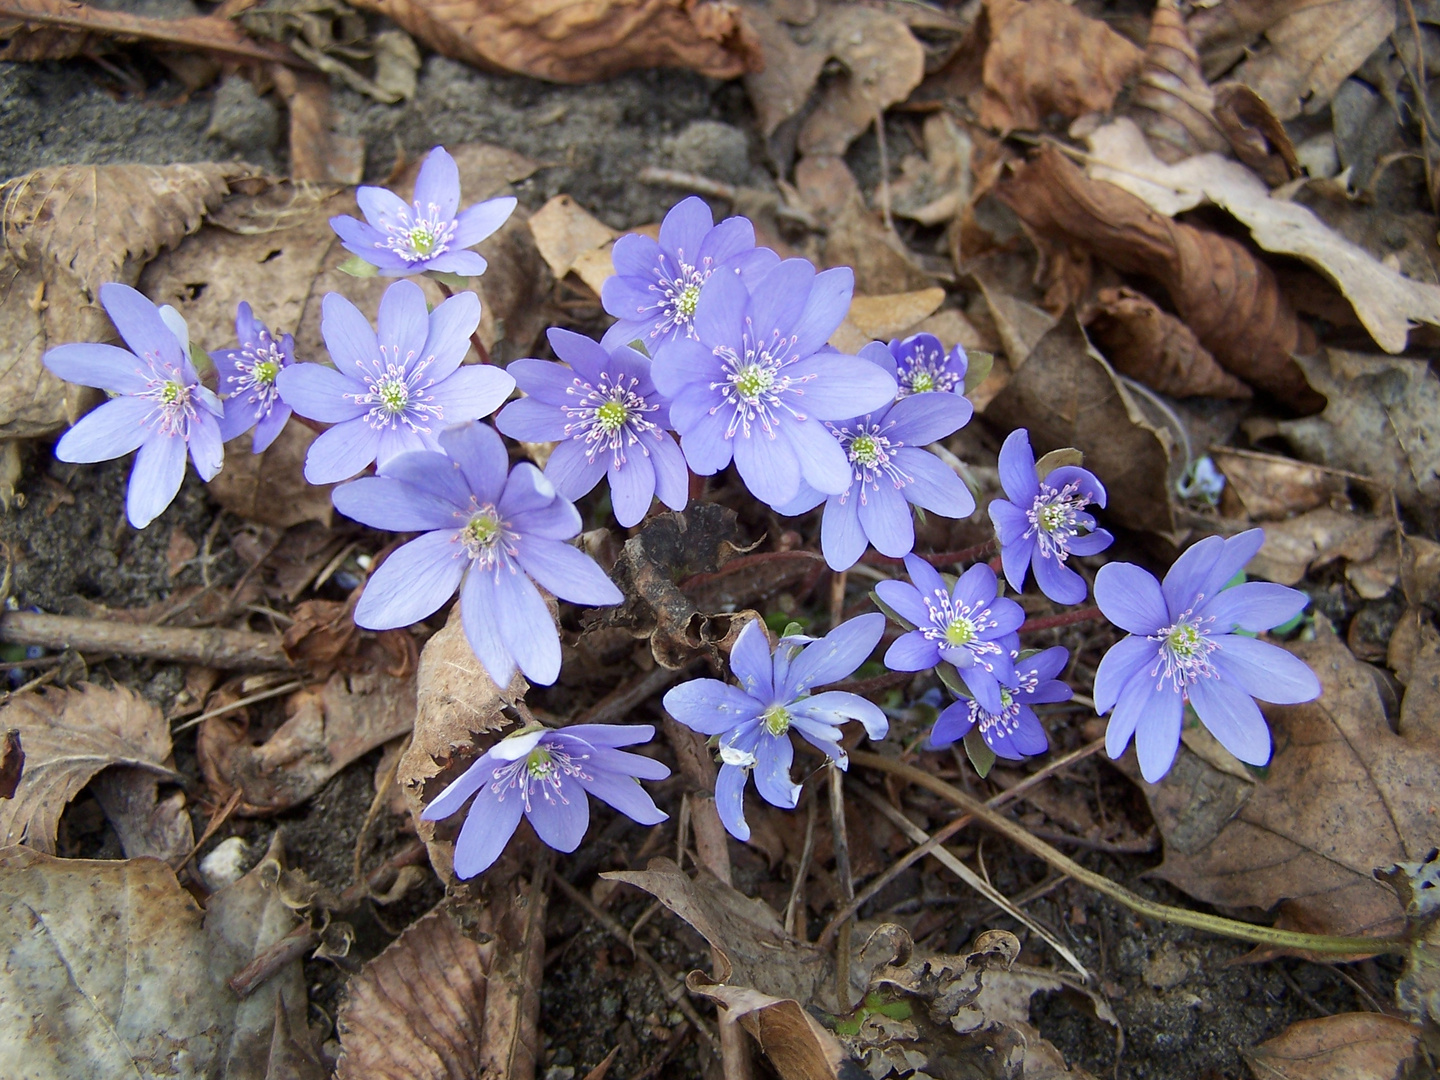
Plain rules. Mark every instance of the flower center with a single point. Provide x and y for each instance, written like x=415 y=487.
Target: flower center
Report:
x=1052 y=516
x=923 y=382
x=864 y=450
x=751 y=381
x=1055 y=519
x=777 y=720
x=686 y=301
x=753 y=385
x=394 y=395
x=540 y=763
x=265 y=372
x=173 y=406
x=679 y=287
x=611 y=416
x=1184 y=652
x=961 y=631
x=422 y=238
x=539 y=774
x=961 y=627
x=482 y=529
x=171 y=392
x=418 y=234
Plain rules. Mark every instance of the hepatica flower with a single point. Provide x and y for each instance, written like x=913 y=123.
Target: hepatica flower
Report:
x=608 y=419
x=967 y=626
x=889 y=472
x=159 y=407
x=545 y=775
x=248 y=375
x=656 y=286
x=754 y=721
x=1183 y=647
x=400 y=238
x=394 y=388
x=1044 y=521
x=923 y=366
x=488 y=531
x=756 y=388
x=1014 y=732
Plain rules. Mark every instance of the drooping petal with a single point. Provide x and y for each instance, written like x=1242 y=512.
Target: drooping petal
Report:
x=567 y=572
x=672 y=478
x=835 y=656
x=842 y=538
x=320 y=393
x=632 y=487
x=560 y=819
x=1131 y=707
x=1125 y=659
x=412 y=583
x=102 y=366
x=706 y=448
x=920 y=419
x=447 y=337
x=348 y=337
x=1253 y=605
x=470 y=393
x=772 y=772
x=475 y=223
x=1157 y=737
x=750 y=661
x=114 y=428
x=823 y=463
x=526 y=627
x=1264 y=671
x=480 y=615
x=1058 y=581
x=207 y=448
x=384 y=503
x=934 y=486
x=835 y=706
x=625 y=794
x=402 y=324
x=140 y=324
x=482 y=457
x=839 y=387
x=488 y=828
x=155 y=478
x=1231 y=715
x=885 y=517
x=573 y=472
x=912 y=652
x=684 y=228
x=730 y=800
x=710 y=706
x=767 y=463
x=1017 y=468
x=1131 y=598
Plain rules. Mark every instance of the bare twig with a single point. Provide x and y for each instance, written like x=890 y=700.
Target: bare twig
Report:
x=231 y=650
x=263 y=695
x=291 y=947
x=793 y=926
x=847 y=884
x=623 y=700
x=1069 y=618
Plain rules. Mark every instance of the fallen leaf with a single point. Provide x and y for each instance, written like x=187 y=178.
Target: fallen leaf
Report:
x=1157 y=349
x=1173 y=102
x=67 y=230
x=318 y=153
x=880 y=318
x=934 y=189
x=584 y=42
x=564 y=231
x=791 y=1039
x=146 y=825
x=270 y=488
x=112 y=970
x=1418 y=991
x=1313 y=49
x=1255 y=134
x=1228 y=297
x=1046 y=57
x=1385 y=301
x=1311 y=540
x=323 y=638
x=1019 y=324
x=1274 y=488
x=780 y=88
x=1357 y=1046
x=12 y=763
x=327 y=728
x=1344 y=793
x=70 y=736
x=1068 y=396
x=1420 y=571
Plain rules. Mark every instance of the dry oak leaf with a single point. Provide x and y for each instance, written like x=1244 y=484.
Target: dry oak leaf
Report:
x=1046 y=57
x=576 y=41
x=1344 y=793
x=1313 y=49
x=793 y=1041
x=1228 y=297
x=70 y=736
x=1386 y=302
x=1156 y=348
x=66 y=231
x=1173 y=102
x=1356 y=1046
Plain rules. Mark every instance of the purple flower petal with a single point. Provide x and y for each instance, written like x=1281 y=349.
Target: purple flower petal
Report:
x=612 y=735
x=545 y=381
x=1125 y=660
x=207 y=448
x=140 y=324
x=905 y=600
x=731 y=237
x=684 y=228
x=557 y=521
x=526 y=627
x=531 y=420
x=634 y=255
x=632 y=487
x=447 y=335
x=982 y=686
x=683 y=362
x=825 y=309
x=480 y=615
x=434 y=475
x=720 y=314
x=267 y=430
x=772 y=772
x=463 y=263
x=471 y=392
x=475 y=223
x=1091 y=543
x=1131 y=598
x=842 y=538
x=1017 y=468
x=1048 y=663
x=822 y=460
x=912 y=652
x=567 y=572
x=155 y=478
x=1264 y=671
x=710 y=706
x=706 y=449
x=348 y=336
x=482 y=457
x=730 y=801
x=951 y=725
x=438 y=184
x=835 y=656
x=341 y=452
x=934 y=485
x=480 y=773
x=1132 y=705
x=1231 y=715
x=834 y=706
x=885 y=517
x=625 y=794
x=1059 y=582
x=588 y=358
x=778 y=301
x=412 y=583
x=383 y=503
x=110 y=430
x=570 y=469
x=320 y=393
x=768 y=466
x=380 y=206
x=1157 y=738
x=363 y=240
x=975 y=588
x=488 y=828
x=560 y=820
x=1025 y=740
x=1084 y=480
x=1253 y=606
x=526 y=490
x=672 y=478
x=921 y=419
x=398 y=440
x=102 y=366
x=841 y=387
x=402 y=324
x=750 y=661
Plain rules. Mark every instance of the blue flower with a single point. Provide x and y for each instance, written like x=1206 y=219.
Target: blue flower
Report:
x=1014 y=732
x=922 y=365
x=248 y=377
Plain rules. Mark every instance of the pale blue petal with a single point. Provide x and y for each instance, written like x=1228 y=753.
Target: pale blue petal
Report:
x=412 y=583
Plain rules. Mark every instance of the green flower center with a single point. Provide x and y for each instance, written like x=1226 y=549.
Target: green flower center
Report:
x=1052 y=516
x=686 y=301
x=611 y=417
x=394 y=395
x=1005 y=699
x=923 y=382
x=865 y=450
x=539 y=763
x=1183 y=640
x=752 y=381
x=265 y=372
x=482 y=530
x=961 y=631
x=171 y=393
x=777 y=720
x=422 y=239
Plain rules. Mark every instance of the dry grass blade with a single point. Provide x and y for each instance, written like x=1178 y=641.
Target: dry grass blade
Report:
x=1173 y=102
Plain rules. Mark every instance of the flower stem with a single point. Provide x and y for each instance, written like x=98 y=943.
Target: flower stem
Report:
x=475 y=337
x=1198 y=920
x=937 y=558
x=1070 y=618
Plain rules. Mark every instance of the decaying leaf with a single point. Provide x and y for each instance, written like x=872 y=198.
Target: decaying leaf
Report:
x=318 y=153
x=881 y=261
x=1311 y=540
x=793 y=1041
x=1313 y=49
x=327 y=728
x=1344 y=793
x=1386 y=301
x=270 y=488
x=112 y=970
x=1068 y=396
x=880 y=318
x=70 y=736
x=324 y=639
x=67 y=230
x=1417 y=886
x=1272 y=488
x=934 y=189
x=12 y=763
x=1228 y=297
x=1046 y=57
x=1173 y=102
x=564 y=231
x=1357 y=1046
x=1255 y=134
x=1157 y=349
x=584 y=42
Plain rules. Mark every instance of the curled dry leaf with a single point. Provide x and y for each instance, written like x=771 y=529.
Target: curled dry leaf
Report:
x=1228 y=297
x=12 y=763
x=324 y=638
x=1157 y=349
x=1274 y=488
x=112 y=970
x=70 y=736
x=581 y=42
x=791 y=1039
x=1344 y=793
x=1173 y=102
x=1255 y=134
x=1046 y=57
x=1068 y=396
x=1357 y=1046
x=66 y=231
x=1313 y=539
x=269 y=488
x=1385 y=301
x=327 y=728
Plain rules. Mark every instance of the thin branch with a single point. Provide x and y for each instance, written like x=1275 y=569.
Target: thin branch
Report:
x=230 y=650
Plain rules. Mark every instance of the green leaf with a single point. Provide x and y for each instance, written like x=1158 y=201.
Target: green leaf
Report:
x=980 y=755
x=456 y=282
x=951 y=678
x=889 y=611
x=981 y=364
x=355 y=266
x=792 y=628
x=1066 y=455
x=201 y=359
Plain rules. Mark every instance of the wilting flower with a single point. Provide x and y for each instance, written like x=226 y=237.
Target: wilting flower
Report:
x=1014 y=732
x=889 y=472
x=968 y=626
x=1183 y=648
x=247 y=381
x=160 y=406
x=393 y=391
x=608 y=418
x=488 y=530
x=1044 y=522
x=399 y=238
x=754 y=721
x=756 y=387
x=546 y=775
x=923 y=366
x=656 y=286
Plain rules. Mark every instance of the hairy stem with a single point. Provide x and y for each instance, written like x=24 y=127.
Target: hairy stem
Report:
x=1070 y=618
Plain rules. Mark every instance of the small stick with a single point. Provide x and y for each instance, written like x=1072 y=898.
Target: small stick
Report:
x=291 y=947
x=621 y=701
x=837 y=597
x=263 y=695
x=797 y=891
x=231 y=650
x=216 y=820
x=847 y=885
x=884 y=190
x=1069 y=618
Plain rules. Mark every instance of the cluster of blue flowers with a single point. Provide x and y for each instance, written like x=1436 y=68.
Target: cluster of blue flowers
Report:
x=719 y=354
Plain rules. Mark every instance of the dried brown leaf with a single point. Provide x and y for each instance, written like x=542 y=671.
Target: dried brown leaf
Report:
x=318 y=153
x=1228 y=297
x=794 y=1041
x=147 y=825
x=270 y=488
x=1156 y=348
x=882 y=262
x=1311 y=540
x=880 y=318
x=1046 y=57
x=1255 y=134
x=1275 y=488
x=1173 y=102
x=12 y=763
x=934 y=189
x=584 y=41
x=1357 y=1046
x=70 y=736
x=1067 y=396
x=781 y=88
x=1386 y=301
x=1344 y=793
x=564 y=231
